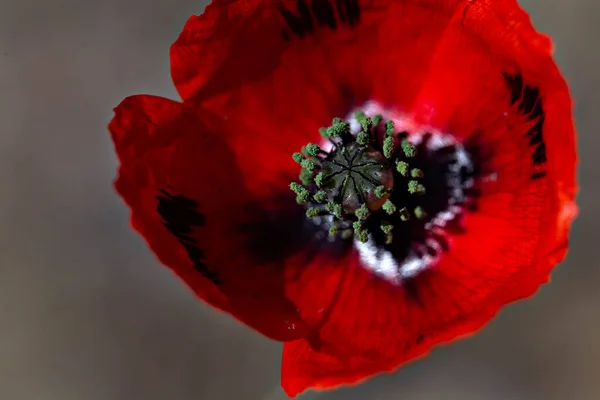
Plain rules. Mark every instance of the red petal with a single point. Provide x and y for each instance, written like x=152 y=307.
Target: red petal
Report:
x=237 y=42
x=206 y=56
x=464 y=94
x=304 y=368
x=144 y=151
x=187 y=199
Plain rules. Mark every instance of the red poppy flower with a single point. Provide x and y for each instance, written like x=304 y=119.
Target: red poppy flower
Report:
x=441 y=189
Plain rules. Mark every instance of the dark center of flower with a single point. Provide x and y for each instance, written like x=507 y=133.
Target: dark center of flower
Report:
x=364 y=182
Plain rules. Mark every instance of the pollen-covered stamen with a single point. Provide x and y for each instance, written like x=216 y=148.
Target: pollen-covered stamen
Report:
x=302 y=195
x=357 y=179
x=387 y=230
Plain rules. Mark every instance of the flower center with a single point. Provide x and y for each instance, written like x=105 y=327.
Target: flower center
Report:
x=363 y=182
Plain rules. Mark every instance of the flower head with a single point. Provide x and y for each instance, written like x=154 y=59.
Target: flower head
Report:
x=361 y=179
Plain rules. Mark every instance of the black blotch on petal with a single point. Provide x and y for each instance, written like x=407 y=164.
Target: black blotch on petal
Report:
x=538 y=175
x=537 y=112
x=349 y=11
x=530 y=96
x=535 y=133
x=309 y=13
x=324 y=13
x=282 y=231
x=180 y=216
x=300 y=23
x=531 y=107
x=539 y=155
x=515 y=83
x=411 y=290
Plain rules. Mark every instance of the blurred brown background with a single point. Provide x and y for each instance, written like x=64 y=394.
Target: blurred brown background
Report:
x=86 y=312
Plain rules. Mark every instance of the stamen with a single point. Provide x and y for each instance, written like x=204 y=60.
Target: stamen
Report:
x=387 y=230
x=360 y=233
x=302 y=194
x=362 y=213
x=313 y=212
x=416 y=173
x=334 y=208
x=409 y=150
x=380 y=191
x=312 y=150
x=320 y=197
x=402 y=167
x=306 y=177
x=364 y=121
x=362 y=138
x=298 y=157
x=389 y=207
x=414 y=187
x=389 y=128
x=339 y=128
x=319 y=179
x=377 y=119
x=388 y=147
x=308 y=165
x=420 y=213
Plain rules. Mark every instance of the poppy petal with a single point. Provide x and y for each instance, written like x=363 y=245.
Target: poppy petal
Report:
x=302 y=367
x=165 y=151
x=144 y=151
x=523 y=113
x=217 y=51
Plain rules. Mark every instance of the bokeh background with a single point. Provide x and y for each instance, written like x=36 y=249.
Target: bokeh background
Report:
x=87 y=313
